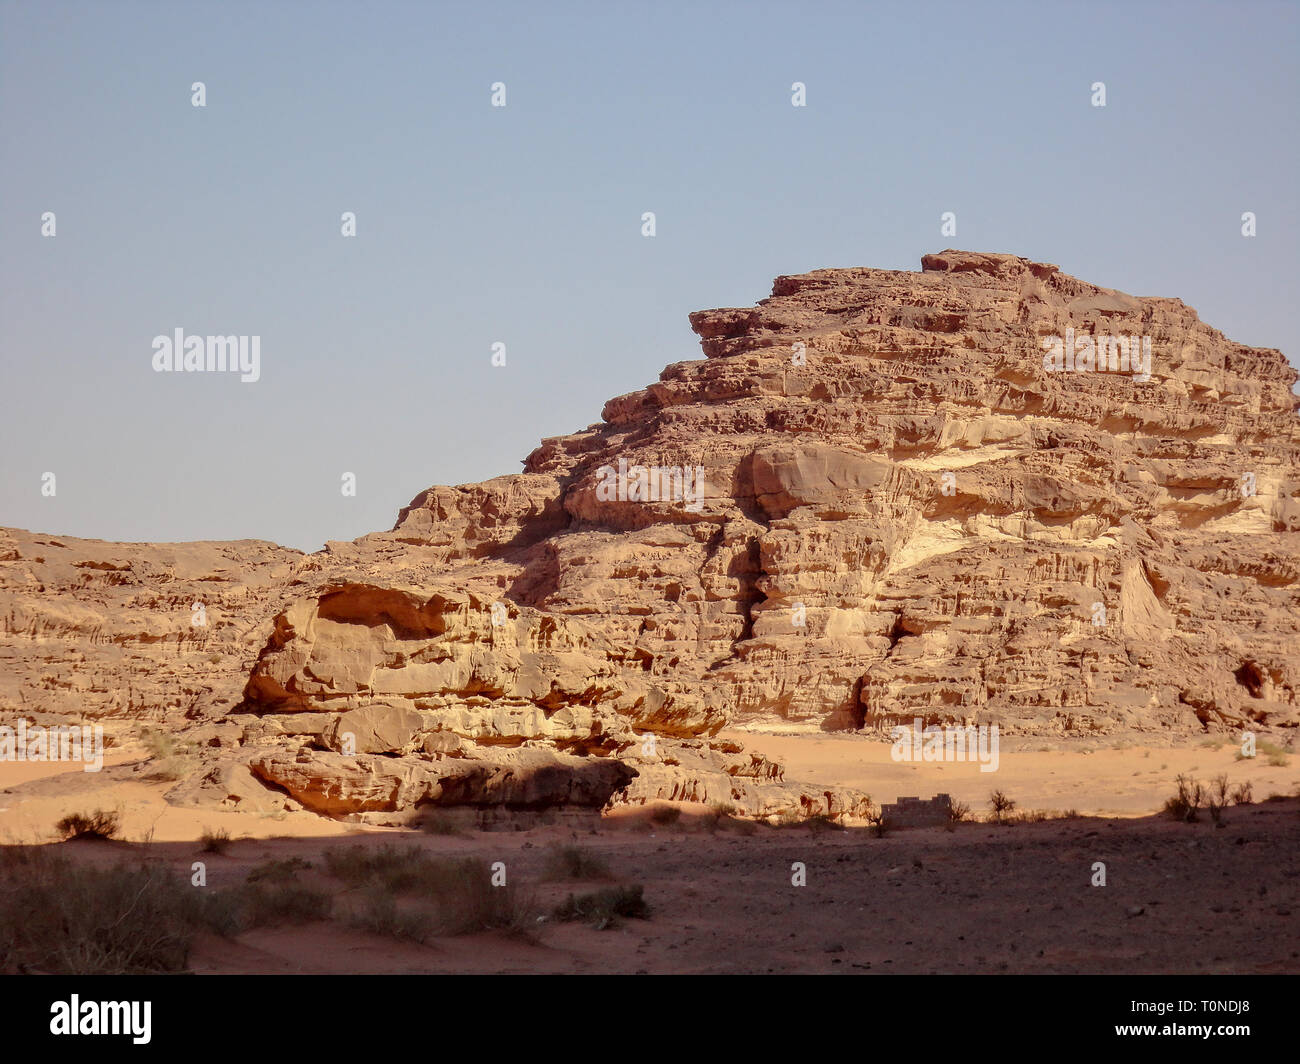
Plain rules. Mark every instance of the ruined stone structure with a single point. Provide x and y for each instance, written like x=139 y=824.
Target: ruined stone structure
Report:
x=916 y=813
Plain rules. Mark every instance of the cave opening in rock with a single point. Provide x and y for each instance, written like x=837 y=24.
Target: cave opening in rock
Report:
x=1251 y=677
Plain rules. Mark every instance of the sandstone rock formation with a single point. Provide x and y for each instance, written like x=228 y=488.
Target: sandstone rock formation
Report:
x=907 y=510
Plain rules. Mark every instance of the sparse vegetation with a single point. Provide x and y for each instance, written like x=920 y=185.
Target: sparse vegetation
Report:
x=278 y=871
x=958 y=812
x=97 y=825
x=1029 y=816
x=465 y=900
x=167 y=754
x=573 y=862
x=398 y=869
x=1001 y=806
x=722 y=814
x=1241 y=794
x=1217 y=797
x=63 y=918
x=215 y=840
x=1185 y=804
x=458 y=892
x=666 y=814
x=258 y=905
x=722 y=811
x=1277 y=756
x=603 y=908
x=379 y=914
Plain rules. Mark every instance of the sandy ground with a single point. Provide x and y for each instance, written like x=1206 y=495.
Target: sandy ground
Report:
x=34 y=796
x=1088 y=778
x=1111 y=782
x=972 y=898
x=1180 y=898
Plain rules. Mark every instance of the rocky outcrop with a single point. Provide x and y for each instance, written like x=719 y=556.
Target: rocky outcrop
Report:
x=337 y=784
x=987 y=492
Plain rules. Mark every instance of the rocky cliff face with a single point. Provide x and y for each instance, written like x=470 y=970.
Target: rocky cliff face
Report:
x=882 y=495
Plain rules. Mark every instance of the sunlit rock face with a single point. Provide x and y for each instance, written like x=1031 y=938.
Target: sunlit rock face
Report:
x=982 y=493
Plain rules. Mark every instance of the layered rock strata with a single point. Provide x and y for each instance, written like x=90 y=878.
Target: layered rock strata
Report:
x=983 y=493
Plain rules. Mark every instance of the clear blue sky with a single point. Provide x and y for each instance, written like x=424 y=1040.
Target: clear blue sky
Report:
x=522 y=224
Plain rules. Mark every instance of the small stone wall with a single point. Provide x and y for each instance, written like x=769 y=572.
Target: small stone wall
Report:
x=915 y=813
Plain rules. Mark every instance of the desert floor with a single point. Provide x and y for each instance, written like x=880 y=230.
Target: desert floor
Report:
x=976 y=897
x=1094 y=778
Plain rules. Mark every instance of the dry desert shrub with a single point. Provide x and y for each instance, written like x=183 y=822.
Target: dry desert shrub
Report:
x=59 y=917
x=1217 y=797
x=380 y=914
x=97 y=825
x=1275 y=755
x=1039 y=816
x=168 y=756
x=1241 y=794
x=573 y=862
x=666 y=814
x=721 y=815
x=456 y=895
x=1029 y=816
x=259 y=905
x=399 y=870
x=465 y=901
x=1185 y=804
x=215 y=840
x=278 y=871
x=1002 y=807
x=603 y=909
